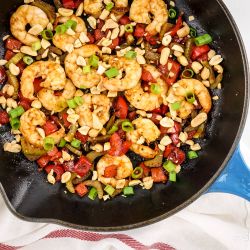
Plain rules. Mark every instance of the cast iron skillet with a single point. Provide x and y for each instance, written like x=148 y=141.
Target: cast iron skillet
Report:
x=30 y=198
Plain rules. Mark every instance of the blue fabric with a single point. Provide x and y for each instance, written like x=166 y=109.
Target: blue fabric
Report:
x=235 y=178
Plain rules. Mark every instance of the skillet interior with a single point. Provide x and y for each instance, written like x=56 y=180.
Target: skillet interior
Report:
x=31 y=198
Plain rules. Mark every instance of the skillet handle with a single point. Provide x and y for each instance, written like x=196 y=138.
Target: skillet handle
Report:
x=235 y=178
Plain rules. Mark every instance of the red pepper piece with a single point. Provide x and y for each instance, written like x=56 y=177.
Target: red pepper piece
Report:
x=139 y=30
x=110 y=171
x=177 y=156
x=3 y=76
x=25 y=104
x=115 y=43
x=82 y=166
x=158 y=175
x=77 y=3
x=124 y=20
x=164 y=109
x=98 y=34
x=154 y=118
x=198 y=51
x=57 y=169
x=49 y=128
x=82 y=138
x=69 y=166
x=203 y=58
x=43 y=161
x=91 y=38
x=146 y=170
x=68 y=4
x=191 y=134
x=100 y=24
x=12 y=44
x=57 y=156
x=116 y=145
x=9 y=54
x=37 y=84
x=175 y=138
x=126 y=146
x=21 y=65
x=176 y=129
x=53 y=152
x=147 y=76
x=151 y=39
x=66 y=123
x=81 y=189
x=168 y=149
x=178 y=25
x=121 y=108
x=132 y=115
x=4 y=117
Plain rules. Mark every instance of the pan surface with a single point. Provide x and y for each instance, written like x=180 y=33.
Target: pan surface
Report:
x=30 y=198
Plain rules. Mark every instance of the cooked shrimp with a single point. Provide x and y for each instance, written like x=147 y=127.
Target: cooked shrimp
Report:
x=24 y=15
x=94 y=112
x=62 y=40
x=30 y=121
x=76 y=74
x=52 y=73
x=56 y=103
x=143 y=151
x=145 y=100
x=132 y=74
x=179 y=91
x=124 y=168
x=141 y=10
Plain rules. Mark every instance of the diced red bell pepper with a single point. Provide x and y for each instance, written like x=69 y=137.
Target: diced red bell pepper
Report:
x=81 y=189
x=116 y=145
x=82 y=138
x=163 y=130
x=82 y=166
x=175 y=138
x=151 y=39
x=69 y=166
x=203 y=58
x=121 y=108
x=159 y=50
x=157 y=111
x=9 y=54
x=57 y=169
x=77 y=3
x=91 y=38
x=98 y=34
x=178 y=25
x=154 y=118
x=168 y=149
x=52 y=152
x=110 y=171
x=191 y=134
x=25 y=104
x=43 y=161
x=121 y=133
x=198 y=51
x=126 y=146
x=100 y=24
x=124 y=20
x=4 y=117
x=115 y=43
x=177 y=156
x=49 y=128
x=66 y=123
x=56 y=157
x=158 y=175
x=68 y=4
x=13 y=44
x=146 y=170
x=147 y=76
x=21 y=65
x=176 y=129
x=132 y=115
x=3 y=76
x=162 y=110
x=37 y=84
x=139 y=30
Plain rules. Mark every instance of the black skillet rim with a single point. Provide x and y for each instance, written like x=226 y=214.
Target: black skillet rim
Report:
x=195 y=196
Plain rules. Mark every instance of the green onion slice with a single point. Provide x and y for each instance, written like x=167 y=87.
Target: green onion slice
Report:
x=113 y=129
x=62 y=143
x=28 y=60
x=112 y=72
x=93 y=61
x=71 y=103
x=86 y=69
x=192 y=155
x=202 y=40
x=169 y=166
x=128 y=191
x=187 y=73
x=92 y=193
x=78 y=100
x=60 y=29
x=172 y=176
x=127 y=126
x=36 y=46
x=109 y=6
x=48 y=143
x=129 y=28
x=130 y=54
x=47 y=34
x=109 y=190
x=192 y=32
x=176 y=106
x=15 y=123
x=71 y=24
x=137 y=173
x=190 y=97
x=76 y=143
x=172 y=13
x=155 y=89
x=18 y=111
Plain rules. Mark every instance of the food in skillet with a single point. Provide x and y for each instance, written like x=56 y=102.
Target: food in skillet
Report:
x=88 y=85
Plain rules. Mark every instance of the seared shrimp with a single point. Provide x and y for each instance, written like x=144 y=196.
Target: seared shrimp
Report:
x=94 y=112
x=124 y=168
x=30 y=121
x=76 y=74
x=132 y=74
x=145 y=100
x=141 y=10
x=54 y=102
x=24 y=15
x=182 y=88
x=52 y=73
x=62 y=40
x=148 y=130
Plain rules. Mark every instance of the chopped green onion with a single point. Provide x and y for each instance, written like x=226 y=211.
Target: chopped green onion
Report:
x=15 y=123
x=78 y=100
x=93 y=61
x=83 y=87
x=92 y=193
x=127 y=126
x=169 y=166
x=18 y=111
x=190 y=97
x=130 y=54
x=112 y=72
x=113 y=130
x=76 y=143
x=172 y=13
x=28 y=60
x=71 y=24
x=187 y=73
x=48 y=143
x=71 y=103
x=109 y=190
x=202 y=40
x=176 y=105
x=128 y=191
x=155 y=89
x=172 y=176
x=129 y=28
x=193 y=32
x=86 y=69
x=62 y=143
x=61 y=29
x=109 y=6
x=137 y=173
x=36 y=46
x=192 y=155
x=47 y=34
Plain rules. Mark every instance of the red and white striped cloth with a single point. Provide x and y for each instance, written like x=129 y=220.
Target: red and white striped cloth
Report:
x=215 y=221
